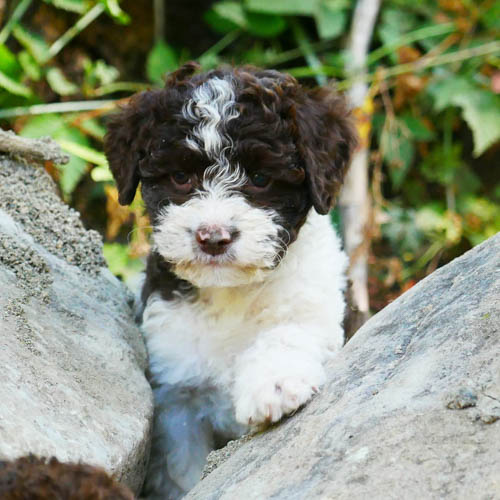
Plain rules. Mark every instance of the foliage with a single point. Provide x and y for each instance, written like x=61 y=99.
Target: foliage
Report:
x=433 y=109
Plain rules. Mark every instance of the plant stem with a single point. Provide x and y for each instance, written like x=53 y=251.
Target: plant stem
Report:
x=291 y=54
x=59 y=107
x=221 y=44
x=159 y=20
x=354 y=202
x=429 y=62
x=79 y=26
x=16 y=15
x=309 y=54
x=384 y=73
x=110 y=88
x=413 y=36
x=447 y=145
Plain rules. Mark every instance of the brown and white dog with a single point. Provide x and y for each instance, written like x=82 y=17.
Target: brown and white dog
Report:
x=242 y=301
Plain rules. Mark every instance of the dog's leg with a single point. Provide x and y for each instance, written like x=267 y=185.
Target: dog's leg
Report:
x=279 y=372
x=182 y=439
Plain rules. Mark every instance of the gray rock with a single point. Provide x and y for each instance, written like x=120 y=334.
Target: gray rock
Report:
x=72 y=360
x=411 y=409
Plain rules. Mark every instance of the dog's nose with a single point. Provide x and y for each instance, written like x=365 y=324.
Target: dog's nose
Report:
x=214 y=240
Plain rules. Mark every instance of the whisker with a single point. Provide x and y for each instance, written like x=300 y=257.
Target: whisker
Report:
x=133 y=230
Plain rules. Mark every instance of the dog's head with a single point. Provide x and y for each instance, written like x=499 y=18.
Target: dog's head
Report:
x=230 y=162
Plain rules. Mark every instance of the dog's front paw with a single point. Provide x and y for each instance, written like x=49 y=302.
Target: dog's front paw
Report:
x=269 y=401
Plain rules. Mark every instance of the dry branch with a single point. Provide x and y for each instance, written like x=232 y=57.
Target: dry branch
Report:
x=354 y=201
x=36 y=150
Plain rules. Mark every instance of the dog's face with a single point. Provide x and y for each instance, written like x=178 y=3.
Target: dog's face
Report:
x=230 y=163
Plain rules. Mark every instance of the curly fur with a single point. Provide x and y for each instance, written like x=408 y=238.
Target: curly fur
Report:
x=32 y=478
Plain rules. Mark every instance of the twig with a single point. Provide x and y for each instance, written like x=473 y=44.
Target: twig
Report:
x=16 y=15
x=79 y=26
x=113 y=87
x=159 y=19
x=37 y=150
x=354 y=203
x=60 y=107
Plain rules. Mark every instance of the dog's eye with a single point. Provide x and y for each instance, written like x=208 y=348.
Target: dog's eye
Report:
x=260 y=180
x=181 y=180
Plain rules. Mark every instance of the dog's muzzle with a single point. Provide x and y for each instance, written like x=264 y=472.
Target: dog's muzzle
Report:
x=215 y=239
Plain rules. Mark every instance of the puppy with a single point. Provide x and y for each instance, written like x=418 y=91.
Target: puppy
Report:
x=242 y=300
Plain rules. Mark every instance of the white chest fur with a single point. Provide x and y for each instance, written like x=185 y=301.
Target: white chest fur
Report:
x=241 y=355
x=195 y=343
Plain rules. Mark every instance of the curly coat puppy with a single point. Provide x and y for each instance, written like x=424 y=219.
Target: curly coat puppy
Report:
x=242 y=300
x=32 y=478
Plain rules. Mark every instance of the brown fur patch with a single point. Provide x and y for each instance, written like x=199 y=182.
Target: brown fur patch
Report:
x=33 y=478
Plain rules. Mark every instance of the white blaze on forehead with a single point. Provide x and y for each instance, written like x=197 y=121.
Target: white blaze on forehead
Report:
x=210 y=108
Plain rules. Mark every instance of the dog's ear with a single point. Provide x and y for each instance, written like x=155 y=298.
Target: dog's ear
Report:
x=131 y=130
x=124 y=145
x=326 y=138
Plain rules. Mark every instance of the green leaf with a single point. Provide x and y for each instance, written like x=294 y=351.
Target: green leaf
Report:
x=430 y=218
x=395 y=23
x=82 y=151
x=101 y=173
x=466 y=181
x=219 y=24
x=330 y=20
x=479 y=109
x=401 y=229
x=32 y=42
x=114 y=10
x=59 y=83
x=77 y=6
x=417 y=128
x=162 y=59
x=71 y=175
x=481 y=112
x=105 y=73
x=14 y=87
x=209 y=61
x=397 y=150
x=438 y=224
x=93 y=128
x=8 y=63
x=29 y=65
x=265 y=25
x=286 y=7
x=41 y=125
x=70 y=139
x=232 y=12
x=441 y=165
x=98 y=73
x=119 y=261
x=491 y=17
